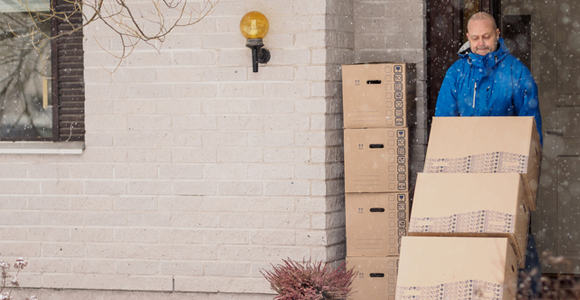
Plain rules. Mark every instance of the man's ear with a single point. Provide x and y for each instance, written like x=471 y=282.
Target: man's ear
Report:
x=497 y=32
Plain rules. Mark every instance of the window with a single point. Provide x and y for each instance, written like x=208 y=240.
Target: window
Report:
x=41 y=88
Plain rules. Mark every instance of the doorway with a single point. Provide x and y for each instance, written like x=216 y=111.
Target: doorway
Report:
x=545 y=35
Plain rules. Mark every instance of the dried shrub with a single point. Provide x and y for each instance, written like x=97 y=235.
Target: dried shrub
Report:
x=8 y=282
x=293 y=280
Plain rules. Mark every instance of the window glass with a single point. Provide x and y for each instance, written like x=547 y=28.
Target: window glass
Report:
x=25 y=71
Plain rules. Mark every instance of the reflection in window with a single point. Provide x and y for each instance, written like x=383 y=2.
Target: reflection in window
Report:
x=25 y=68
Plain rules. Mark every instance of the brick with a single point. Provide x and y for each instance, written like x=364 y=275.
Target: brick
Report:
x=180 y=203
x=135 y=139
x=194 y=121
x=283 y=40
x=48 y=203
x=225 y=73
x=274 y=237
x=47 y=171
x=271 y=139
x=310 y=7
x=277 y=253
x=62 y=187
x=107 y=123
x=156 y=219
x=311 y=106
x=19 y=218
x=318 y=188
x=291 y=57
x=62 y=218
x=310 y=73
x=286 y=188
x=226 y=237
x=311 y=238
x=149 y=187
x=92 y=235
x=272 y=73
x=412 y=40
x=240 y=155
x=63 y=249
x=180 y=139
x=181 y=171
x=228 y=106
x=182 y=42
x=287 y=221
x=181 y=268
x=135 y=171
x=195 y=252
x=244 y=285
x=136 y=203
x=253 y=122
x=148 y=123
x=137 y=267
x=272 y=204
x=13 y=203
x=149 y=251
x=369 y=10
x=286 y=155
x=310 y=138
x=48 y=265
x=148 y=58
x=234 y=8
x=272 y=106
x=133 y=75
x=178 y=74
x=93 y=266
x=12 y=171
x=91 y=170
x=270 y=171
x=63 y=281
x=135 y=235
x=52 y=234
x=194 y=220
x=241 y=253
x=193 y=155
x=241 y=220
x=298 y=89
x=194 y=90
x=12 y=233
x=19 y=187
x=311 y=205
x=310 y=172
x=224 y=204
x=237 y=57
x=310 y=39
x=106 y=250
x=194 y=188
x=96 y=139
x=240 y=188
x=240 y=90
x=379 y=26
x=105 y=218
x=398 y=10
x=222 y=41
x=149 y=155
x=166 y=107
x=227 y=269
x=196 y=284
x=181 y=236
x=105 y=187
x=369 y=41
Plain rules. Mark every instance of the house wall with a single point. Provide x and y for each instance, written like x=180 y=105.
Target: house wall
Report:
x=198 y=173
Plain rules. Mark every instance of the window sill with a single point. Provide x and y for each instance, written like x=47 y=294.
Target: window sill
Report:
x=42 y=147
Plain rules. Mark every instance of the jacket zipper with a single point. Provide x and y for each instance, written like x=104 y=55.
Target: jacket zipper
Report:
x=474 y=91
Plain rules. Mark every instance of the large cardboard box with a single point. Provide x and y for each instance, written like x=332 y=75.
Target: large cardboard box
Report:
x=378 y=95
x=479 y=205
x=486 y=145
x=376 y=278
x=375 y=223
x=375 y=160
x=457 y=268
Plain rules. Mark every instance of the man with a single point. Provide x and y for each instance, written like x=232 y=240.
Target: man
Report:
x=488 y=81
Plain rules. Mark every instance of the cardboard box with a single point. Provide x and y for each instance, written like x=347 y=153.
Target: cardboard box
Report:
x=378 y=95
x=479 y=205
x=375 y=223
x=376 y=278
x=457 y=268
x=375 y=160
x=486 y=145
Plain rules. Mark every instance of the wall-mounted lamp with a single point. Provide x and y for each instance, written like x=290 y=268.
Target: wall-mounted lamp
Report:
x=254 y=26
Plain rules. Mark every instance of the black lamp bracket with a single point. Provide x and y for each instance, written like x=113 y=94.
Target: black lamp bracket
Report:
x=259 y=54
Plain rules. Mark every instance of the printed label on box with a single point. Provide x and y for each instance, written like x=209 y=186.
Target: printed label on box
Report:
x=470 y=222
x=461 y=290
x=494 y=162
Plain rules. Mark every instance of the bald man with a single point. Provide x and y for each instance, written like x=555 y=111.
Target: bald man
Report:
x=488 y=81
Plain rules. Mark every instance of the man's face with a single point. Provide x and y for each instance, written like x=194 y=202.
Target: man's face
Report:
x=482 y=37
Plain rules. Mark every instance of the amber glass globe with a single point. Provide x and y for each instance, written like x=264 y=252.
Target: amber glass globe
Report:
x=254 y=25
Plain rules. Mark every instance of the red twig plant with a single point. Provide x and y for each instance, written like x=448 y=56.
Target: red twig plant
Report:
x=293 y=280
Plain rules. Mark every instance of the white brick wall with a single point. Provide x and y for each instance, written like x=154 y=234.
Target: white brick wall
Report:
x=197 y=172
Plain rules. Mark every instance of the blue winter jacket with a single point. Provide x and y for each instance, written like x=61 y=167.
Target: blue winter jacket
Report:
x=497 y=84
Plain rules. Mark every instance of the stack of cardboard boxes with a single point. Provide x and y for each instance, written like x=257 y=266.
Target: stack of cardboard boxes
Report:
x=471 y=209
x=376 y=101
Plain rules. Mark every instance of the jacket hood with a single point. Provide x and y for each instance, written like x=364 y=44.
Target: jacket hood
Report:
x=489 y=60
